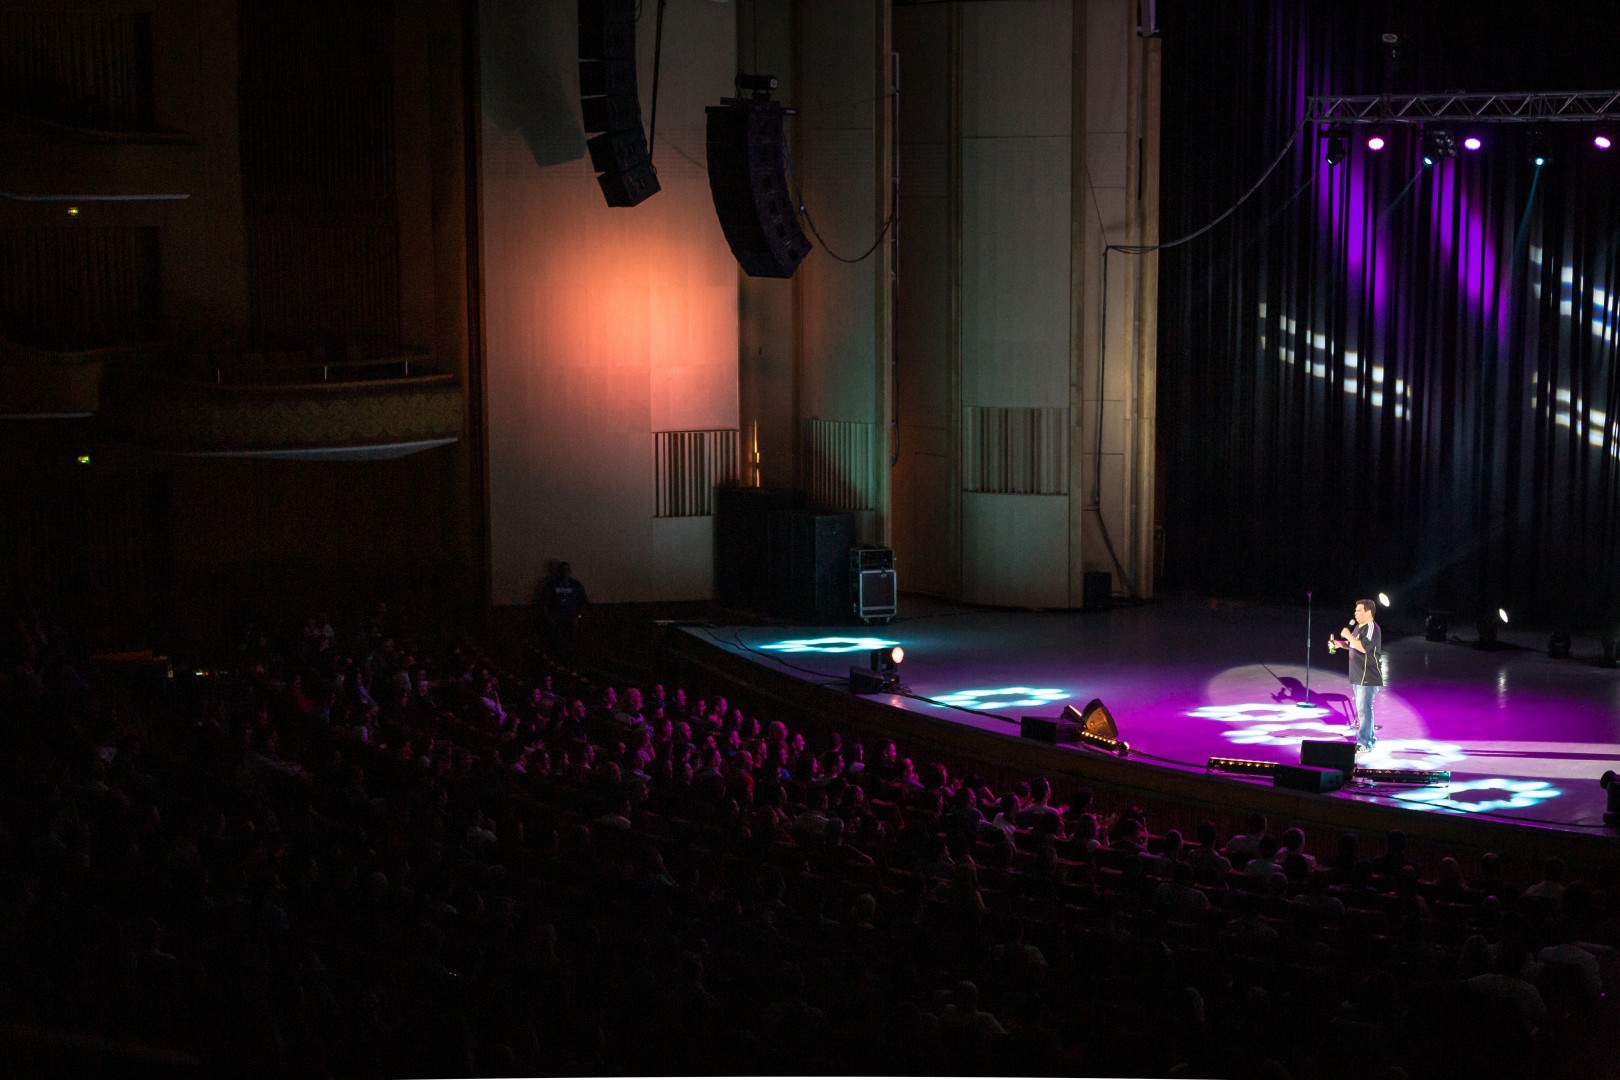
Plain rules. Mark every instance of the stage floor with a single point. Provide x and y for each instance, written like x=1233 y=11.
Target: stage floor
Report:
x=1525 y=737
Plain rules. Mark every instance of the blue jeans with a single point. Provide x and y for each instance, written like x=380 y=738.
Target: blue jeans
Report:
x=1364 y=713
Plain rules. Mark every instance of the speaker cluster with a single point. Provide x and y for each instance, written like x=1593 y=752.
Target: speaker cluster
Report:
x=747 y=177
x=610 y=104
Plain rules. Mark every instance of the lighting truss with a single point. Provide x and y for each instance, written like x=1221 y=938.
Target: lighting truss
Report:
x=1563 y=106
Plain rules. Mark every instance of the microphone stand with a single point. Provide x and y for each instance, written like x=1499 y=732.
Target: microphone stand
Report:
x=1306 y=704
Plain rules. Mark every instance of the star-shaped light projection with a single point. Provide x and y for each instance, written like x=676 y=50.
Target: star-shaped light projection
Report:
x=830 y=645
x=1005 y=697
x=1514 y=795
x=1261 y=712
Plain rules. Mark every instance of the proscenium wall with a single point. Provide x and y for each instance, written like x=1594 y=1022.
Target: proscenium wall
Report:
x=603 y=325
x=1023 y=141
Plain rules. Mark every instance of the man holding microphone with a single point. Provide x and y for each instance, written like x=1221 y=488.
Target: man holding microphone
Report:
x=1365 y=644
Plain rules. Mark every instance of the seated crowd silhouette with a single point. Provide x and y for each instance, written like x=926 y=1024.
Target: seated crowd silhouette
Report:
x=349 y=856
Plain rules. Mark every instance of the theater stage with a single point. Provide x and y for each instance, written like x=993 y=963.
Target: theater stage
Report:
x=1525 y=737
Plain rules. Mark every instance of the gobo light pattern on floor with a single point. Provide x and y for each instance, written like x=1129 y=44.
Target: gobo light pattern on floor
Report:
x=830 y=645
x=1005 y=697
x=1513 y=795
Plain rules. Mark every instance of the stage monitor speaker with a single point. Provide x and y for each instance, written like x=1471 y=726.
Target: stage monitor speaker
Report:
x=809 y=565
x=610 y=104
x=1094 y=718
x=747 y=178
x=1328 y=754
x=1307 y=778
x=1046 y=730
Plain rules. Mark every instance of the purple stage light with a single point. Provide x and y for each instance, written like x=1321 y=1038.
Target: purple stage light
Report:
x=1375 y=142
x=1472 y=143
x=1602 y=142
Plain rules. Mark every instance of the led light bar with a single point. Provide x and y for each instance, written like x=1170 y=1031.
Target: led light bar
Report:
x=1242 y=766
x=1103 y=742
x=1420 y=777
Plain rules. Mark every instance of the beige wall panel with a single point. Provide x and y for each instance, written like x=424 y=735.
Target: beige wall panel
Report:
x=924 y=313
x=1106 y=153
x=602 y=325
x=1110 y=28
x=1015 y=272
x=1015 y=68
x=1114 y=509
x=836 y=50
x=838 y=300
x=926 y=560
x=1015 y=550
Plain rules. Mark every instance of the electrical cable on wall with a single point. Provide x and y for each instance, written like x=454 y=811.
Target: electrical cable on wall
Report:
x=1094 y=502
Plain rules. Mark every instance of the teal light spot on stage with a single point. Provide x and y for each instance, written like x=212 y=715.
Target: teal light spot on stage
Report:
x=1005 y=697
x=1513 y=795
x=830 y=645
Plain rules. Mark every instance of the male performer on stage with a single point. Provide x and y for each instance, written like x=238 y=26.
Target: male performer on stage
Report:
x=1365 y=644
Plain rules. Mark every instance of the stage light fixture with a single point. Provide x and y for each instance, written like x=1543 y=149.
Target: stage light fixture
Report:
x=882 y=673
x=1611 y=784
x=1602 y=141
x=1485 y=628
x=1418 y=777
x=1558 y=645
x=1472 y=143
x=1539 y=154
x=1103 y=742
x=1434 y=627
x=1501 y=613
x=1338 y=144
x=1383 y=600
x=1611 y=651
x=1095 y=725
x=1240 y=766
x=1375 y=143
x=1438 y=142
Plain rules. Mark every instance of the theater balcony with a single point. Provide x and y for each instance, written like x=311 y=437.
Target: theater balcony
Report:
x=289 y=405
x=53 y=384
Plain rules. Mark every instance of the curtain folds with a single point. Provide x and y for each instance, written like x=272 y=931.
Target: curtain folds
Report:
x=1380 y=375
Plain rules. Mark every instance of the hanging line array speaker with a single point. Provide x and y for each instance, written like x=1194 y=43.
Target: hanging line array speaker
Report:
x=609 y=102
x=747 y=177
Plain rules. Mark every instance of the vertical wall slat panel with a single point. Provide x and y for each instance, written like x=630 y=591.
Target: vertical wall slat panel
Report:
x=1015 y=451
x=688 y=465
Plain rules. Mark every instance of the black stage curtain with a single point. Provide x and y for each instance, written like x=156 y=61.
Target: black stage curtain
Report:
x=1380 y=376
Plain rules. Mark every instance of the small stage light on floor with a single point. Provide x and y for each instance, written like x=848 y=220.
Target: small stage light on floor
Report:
x=1095 y=725
x=1418 y=777
x=882 y=674
x=1486 y=626
x=1240 y=766
x=1611 y=784
x=1611 y=651
x=1435 y=627
x=1558 y=645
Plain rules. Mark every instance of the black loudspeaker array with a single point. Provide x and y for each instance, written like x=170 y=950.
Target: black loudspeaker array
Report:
x=609 y=102
x=747 y=177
